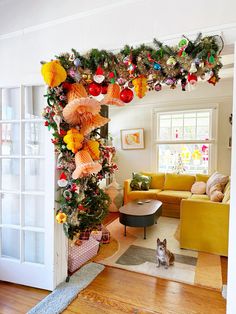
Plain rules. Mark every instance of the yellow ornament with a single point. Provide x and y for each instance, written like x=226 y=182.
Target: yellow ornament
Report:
x=53 y=73
x=140 y=86
x=92 y=147
x=61 y=218
x=74 y=140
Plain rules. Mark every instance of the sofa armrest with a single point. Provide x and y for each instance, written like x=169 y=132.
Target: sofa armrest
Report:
x=127 y=189
x=204 y=226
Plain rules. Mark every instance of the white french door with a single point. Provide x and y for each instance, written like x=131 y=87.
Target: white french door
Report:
x=26 y=189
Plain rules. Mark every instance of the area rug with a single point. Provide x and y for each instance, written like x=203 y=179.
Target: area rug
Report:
x=57 y=301
x=136 y=254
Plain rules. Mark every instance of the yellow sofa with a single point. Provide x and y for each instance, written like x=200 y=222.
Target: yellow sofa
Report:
x=204 y=225
x=168 y=188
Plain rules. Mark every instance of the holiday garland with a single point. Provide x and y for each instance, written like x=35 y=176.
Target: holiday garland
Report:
x=74 y=116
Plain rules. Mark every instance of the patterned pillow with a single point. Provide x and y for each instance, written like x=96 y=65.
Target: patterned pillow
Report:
x=140 y=182
x=216 y=178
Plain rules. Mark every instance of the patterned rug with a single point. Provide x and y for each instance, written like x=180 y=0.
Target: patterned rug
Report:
x=133 y=253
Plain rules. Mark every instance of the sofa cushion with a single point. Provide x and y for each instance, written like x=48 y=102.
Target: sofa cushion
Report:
x=151 y=193
x=157 y=181
x=140 y=182
x=226 y=198
x=173 y=197
x=199 y=187
x=202 y=177
x=178 y=182
x=202 y=197
x=216 y=178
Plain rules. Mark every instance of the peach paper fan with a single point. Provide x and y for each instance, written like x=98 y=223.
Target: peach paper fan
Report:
x=92 y=124
x=76 y=111
x=85 y=165
x=92 y=147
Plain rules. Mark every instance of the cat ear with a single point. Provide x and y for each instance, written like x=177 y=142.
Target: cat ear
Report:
x=158 y=240
x=164 y=241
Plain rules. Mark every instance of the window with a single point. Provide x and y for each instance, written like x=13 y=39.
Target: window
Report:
x=185 y=141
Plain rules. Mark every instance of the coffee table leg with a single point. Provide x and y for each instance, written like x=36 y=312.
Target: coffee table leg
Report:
x=144 y=233
x=125 y=231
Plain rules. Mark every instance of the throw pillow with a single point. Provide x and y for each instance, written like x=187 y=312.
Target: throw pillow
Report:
x=216 y=194
x=199 y=187
x=140 y=182
x=216 y=178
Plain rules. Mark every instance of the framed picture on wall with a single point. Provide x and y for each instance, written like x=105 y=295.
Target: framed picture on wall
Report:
x=132 y=138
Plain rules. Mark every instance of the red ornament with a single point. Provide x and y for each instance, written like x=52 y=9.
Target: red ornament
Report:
x=192 y=78
x=94 y=89
x=126 y=95
x=104 y=88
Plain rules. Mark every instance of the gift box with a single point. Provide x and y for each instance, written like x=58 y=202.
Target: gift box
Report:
x=96 y=234
x=80 y=254
x=105 y=235
x=85 y=234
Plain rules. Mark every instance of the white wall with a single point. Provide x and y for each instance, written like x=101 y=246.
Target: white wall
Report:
x=138 y=114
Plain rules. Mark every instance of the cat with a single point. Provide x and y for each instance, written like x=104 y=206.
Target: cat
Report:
x=164 y=256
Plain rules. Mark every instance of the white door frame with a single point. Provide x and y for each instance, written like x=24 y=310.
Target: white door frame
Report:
x=231 y=284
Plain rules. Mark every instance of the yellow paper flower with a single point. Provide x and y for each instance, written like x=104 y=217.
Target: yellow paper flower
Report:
x=61 y=218
x=53 y=73
x=74 y=140
x=140 y=86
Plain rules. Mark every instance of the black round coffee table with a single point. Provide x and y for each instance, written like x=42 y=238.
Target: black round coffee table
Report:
x=140 y=213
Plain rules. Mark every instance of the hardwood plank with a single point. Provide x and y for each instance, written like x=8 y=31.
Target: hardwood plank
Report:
x=151 y=294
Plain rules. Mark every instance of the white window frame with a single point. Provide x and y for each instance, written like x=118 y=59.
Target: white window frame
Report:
x=184 y=108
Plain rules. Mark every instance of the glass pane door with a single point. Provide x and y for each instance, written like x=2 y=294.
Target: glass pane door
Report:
x=26 y=209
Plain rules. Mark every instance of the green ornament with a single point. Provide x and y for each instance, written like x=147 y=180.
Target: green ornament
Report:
x=211 y=59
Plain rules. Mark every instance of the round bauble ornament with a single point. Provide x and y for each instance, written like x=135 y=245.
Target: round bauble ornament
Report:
x=170 y=80
x=192 y=78
x=121 y=81
x=94 y=89
x=104 y=87
x=156 y=66
x=158 y=87
x=126 y=95
x=77 y=62
x=130 y=84
x=171 y=61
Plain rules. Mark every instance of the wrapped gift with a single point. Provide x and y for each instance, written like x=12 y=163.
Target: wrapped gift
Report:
x=85 y=234
x=96 y=234
x=105 y=235
x=80 y=254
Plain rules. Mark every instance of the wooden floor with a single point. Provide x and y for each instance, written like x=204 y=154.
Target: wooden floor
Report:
x=117 y=291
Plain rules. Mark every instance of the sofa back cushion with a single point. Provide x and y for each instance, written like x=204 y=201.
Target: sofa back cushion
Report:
x=157 y=181
x=178 y=182
x=202 y=177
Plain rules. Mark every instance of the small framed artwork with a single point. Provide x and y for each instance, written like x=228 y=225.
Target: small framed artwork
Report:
x=132 y=139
